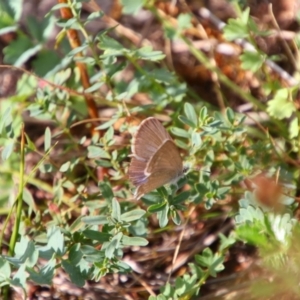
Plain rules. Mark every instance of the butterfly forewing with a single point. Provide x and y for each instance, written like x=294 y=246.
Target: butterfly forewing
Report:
x=149 y=137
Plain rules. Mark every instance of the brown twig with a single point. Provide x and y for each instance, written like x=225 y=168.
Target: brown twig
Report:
x=283 y=42
x=206 y=14
x=63 y=88
x=75 y=42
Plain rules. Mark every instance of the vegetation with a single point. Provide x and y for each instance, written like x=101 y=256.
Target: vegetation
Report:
x=66 y=203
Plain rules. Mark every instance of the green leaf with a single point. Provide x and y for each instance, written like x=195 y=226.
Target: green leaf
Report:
x=26 y=252
x=13 y=8
x=217 y=265
x=59 y=6
x=95 y=15
x=147 y=53
x=71 y=23
x=106 y=190
x=45 y=276
x=107 y=43
x=76 y=225
x=223 y=191
x=96 y=151
x=245 y=16
x=252 y=60
x=158 y=297
x=235 y=29
x=28 y=199
x=281 y=106
x=46 y=168
x=6 y=118
x=175 y=217
x=20 y=277
x=91 y=253
x=184 y=21
x=214 y=262
x=74 y=272
x=191 y=114
x=96 y=235
x=93 y=88
x=95 y=220
x=103 y=163
x=132 y=6
x=203 y=114
x=116 y=210
x=109 y=134
x=16 y=49
x=89 y=61
x=196 y=141
x=294 y=128
x=85 y=267
x=39 y=28
x=161 y=76
x=75 y=254
x=205 y=259
x=107 y=124
x=230 y=115
x=47 y=139
x=133 y=215
x=156 y=207
x=56 y=240
x=163 y=216
x=5 y=270
x=65 y=167
x=30 y=143
x=180 y=286
x=186 y=121
x=252 y=235
x=7 y=150
x=170 y=32
x=226 y=242
x=180 y=132
x=77 y=50
x=181 y=197
x=182 y=144
x=113 y=245
x=134 y=241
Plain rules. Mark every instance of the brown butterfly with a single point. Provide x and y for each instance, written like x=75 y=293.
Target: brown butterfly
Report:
x=155 y=158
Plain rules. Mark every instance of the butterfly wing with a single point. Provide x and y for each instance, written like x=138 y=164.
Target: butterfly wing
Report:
x=154 y=181
x=167 y=157
x=136 y=173
x=155 y=160
x=148 y=138
x=165 y=166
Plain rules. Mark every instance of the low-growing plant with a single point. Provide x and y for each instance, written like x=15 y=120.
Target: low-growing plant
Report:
x=67 y=197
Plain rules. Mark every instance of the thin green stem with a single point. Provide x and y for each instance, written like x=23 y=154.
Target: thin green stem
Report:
x=19 y=200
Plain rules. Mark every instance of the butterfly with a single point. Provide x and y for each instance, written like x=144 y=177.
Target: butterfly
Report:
x=155 y=158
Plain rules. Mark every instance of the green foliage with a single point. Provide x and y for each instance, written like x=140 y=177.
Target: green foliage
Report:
x=207 y=264
x=220 y=150
x=281 y=106
x=252 y=61
x=132 y=6
x=275 y=234
x=237 y=28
